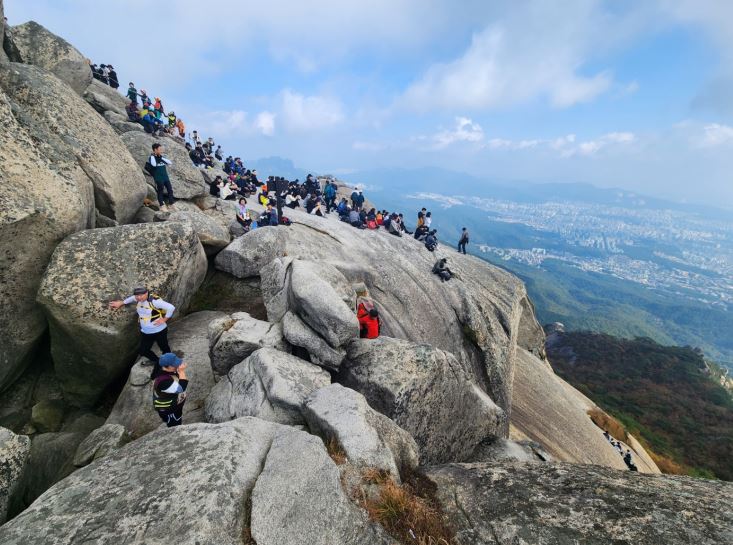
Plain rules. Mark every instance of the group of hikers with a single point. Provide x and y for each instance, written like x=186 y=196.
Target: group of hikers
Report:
x=619 y=447
x=105 y=73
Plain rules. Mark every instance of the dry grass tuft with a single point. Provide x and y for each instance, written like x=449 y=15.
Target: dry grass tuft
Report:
x=408 y=517
x=336 y=451
x=608 y=423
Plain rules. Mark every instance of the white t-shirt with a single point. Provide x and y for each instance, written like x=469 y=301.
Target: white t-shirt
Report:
x=144 y=313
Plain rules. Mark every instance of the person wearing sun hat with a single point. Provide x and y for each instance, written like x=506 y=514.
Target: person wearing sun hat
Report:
x=169 y=389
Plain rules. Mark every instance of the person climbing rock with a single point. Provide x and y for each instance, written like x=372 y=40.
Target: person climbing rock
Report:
x=160 y=174
x=153 y=313
x=441 y=269
x=369 y=324
x=431 y=240
x=463 y=241
x=169 y=389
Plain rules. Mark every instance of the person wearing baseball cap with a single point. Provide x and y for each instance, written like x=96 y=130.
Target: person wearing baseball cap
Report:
x=153 y=313
x=169 y=389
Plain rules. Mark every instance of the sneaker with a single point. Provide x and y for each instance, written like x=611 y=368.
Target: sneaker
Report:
x=172 y=206
x=163 y=208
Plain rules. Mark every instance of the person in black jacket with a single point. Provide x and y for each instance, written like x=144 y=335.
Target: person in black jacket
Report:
x=441 y=269
x=463 y=241
x=169 y=389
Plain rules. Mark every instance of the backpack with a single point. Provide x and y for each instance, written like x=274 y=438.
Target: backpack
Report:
x=155 y=312
x=285 y=221
x=149 y=168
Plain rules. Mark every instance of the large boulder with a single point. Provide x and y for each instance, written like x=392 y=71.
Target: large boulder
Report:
x=67 y=123
x=189 y=338
x=212 y=235
x=51 y=459
x=120 y=123
x=100 y=443
x=186 y=180
x=558 y=504
x=300 y=334
x=476 y=316
x=269 y=384
x=426 y=392
x=103 y=98
x=320 y=306
x=42 y=48
x=75 y=74
x=14 y=452
x=194 y=482
x=92 y=346
x=369 y=439
x=44 y=196
x=234 y=338
x=298 y=498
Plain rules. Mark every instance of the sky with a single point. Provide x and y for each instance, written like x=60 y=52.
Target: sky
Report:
x=621 y=93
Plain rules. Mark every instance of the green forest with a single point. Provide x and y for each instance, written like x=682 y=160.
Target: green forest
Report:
x=662 y=394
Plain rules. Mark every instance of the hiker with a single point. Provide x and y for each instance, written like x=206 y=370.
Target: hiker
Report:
x=462 y=248
x=132 y=93
x=605 y=432
x=219 y=154
x=132 y=113
x=369 y=324
x=243 y=214
x=402 y=225
x=169 y=389
x=153 y=313
x=181 y=128
x=441 y=269
x=355 y=219
x=393 y=225
x=421 y=217
x=329 y=192
x=159 y=171
x=269 y=217
x=112 y=76
x=431 y=241
x=421 y=232
x=357 y=199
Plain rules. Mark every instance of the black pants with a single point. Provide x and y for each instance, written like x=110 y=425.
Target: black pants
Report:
x=161 y=188
x=149 y=339
x=172 y=417
x=462 y=246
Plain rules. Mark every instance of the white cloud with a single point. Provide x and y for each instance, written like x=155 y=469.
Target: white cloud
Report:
x=302 y=113
x=565 y=146
x=537 y=49
x=464 y=130
x=265 y=123
x=715 y=134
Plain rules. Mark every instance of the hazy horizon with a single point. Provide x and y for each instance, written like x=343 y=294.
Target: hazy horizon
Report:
x=615 y=94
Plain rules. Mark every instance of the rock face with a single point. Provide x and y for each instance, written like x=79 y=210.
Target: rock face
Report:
x=426 y=392
x=120 y=123
x=213 y=236
x=368 y=438
x=14 y=451
x=75 y=74
x=476 y=316
x=189 y=338
x=554 y=414
x=44 y=196
x=298 y=333
x=554 y=504
x=69 y=125
x=193 y=481
x=186 y=180
x=269 y=384
x=103 y=98
x=91 y=344
x=299 y=499
x=100 y=443
x=233 y=339
x=43 y=48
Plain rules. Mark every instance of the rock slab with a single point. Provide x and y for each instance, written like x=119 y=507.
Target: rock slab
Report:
x=14 y=452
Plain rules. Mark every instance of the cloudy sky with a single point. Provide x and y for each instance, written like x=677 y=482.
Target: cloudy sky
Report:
x=629 y=94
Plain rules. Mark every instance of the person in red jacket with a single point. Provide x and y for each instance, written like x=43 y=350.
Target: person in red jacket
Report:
x=368 y=322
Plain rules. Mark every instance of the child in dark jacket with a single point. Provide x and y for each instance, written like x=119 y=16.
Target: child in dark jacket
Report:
x=169 y=389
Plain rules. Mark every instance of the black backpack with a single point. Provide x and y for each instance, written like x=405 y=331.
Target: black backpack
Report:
x=149 y=168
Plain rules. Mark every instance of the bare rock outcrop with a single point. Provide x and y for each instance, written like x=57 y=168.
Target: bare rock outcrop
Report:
x=427 y=392
x=92 y=345
x=38 y=46
x=14 y=452
x=557 y=504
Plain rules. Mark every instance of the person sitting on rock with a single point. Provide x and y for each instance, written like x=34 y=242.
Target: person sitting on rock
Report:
x=153 y=313
x=354 y=219
x=431 y=241
x=169 y=389
x=393 y=225
x=218 y=153
x=269 y=217
x=403 y=227
x=421 y=232
x=243 y=218
x=214 y=187
x=160 y=175
x=369 y=324
x=441 y=269
x=132 y=93
x=133 y=115
x=181 y=128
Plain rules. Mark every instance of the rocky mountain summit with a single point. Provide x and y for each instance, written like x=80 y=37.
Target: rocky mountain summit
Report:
x=451 y=427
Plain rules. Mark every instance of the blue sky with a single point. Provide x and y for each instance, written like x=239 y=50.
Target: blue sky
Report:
x=637 y=95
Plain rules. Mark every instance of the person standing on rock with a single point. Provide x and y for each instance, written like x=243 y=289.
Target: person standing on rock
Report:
x=160 y=175
x=463 y=241
x=169 y=389
x=153 y=313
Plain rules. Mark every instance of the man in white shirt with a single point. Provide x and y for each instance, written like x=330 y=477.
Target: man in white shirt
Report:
x=153 y=313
